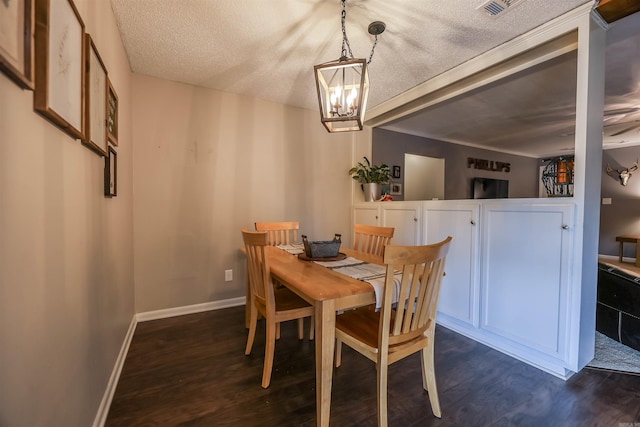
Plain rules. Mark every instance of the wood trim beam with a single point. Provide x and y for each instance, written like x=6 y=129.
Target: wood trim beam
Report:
x=613 y=10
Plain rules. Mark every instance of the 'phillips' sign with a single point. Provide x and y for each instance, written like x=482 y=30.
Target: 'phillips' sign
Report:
x=488 y=165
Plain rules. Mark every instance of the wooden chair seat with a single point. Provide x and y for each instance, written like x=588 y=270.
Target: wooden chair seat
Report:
x=287 y=303
x=362 y=324
x=360 y=327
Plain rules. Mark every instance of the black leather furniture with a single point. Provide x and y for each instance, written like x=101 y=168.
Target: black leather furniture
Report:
x=618 y=309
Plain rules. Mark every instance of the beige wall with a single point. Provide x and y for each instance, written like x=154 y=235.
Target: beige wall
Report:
x=66 y=258
x=208 y=163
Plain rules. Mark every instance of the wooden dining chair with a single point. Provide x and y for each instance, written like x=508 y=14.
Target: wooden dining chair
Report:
x=372 y=239
x=280 y=233
x=399 y=330
x=275 y=304
x=283 y=233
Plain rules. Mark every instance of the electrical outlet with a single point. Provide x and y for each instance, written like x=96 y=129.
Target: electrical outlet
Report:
x=606 y=200
x=228 y=275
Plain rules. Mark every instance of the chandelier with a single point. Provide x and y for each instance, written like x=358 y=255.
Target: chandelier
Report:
x=343 y=85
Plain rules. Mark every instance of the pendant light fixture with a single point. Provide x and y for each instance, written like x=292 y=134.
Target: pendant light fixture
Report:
x=343 y=85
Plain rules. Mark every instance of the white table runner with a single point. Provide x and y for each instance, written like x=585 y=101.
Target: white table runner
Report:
x=373 y=274
x=294 y=249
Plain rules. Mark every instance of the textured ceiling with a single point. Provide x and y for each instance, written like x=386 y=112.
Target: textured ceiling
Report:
x=267 y=48
x=533 y=113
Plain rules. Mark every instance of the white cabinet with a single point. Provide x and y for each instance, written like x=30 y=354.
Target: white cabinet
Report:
x=526 y=255
x=509 y=279
x=367 y=213
x=405 y=218
x=459 y=294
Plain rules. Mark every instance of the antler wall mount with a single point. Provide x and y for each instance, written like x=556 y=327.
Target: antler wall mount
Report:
x=622 y=174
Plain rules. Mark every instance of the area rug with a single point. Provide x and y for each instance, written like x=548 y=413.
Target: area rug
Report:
x=614 y=356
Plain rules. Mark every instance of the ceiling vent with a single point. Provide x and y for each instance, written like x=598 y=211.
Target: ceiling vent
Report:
x=497 y=7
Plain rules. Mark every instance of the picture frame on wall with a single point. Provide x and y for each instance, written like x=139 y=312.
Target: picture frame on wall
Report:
x=112 y=114
x=16 y=41
x=396 y=171
x=95 y=135
x=59 y=65
x=395 y=189
x=111 y=173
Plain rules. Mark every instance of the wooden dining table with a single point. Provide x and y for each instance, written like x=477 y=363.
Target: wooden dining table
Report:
x=328 y=291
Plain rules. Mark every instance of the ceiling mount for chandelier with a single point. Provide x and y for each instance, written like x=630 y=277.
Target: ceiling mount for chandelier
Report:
x=343 y=84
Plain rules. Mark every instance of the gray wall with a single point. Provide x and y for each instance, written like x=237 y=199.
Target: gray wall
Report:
x=389 y=147
x=622 y=216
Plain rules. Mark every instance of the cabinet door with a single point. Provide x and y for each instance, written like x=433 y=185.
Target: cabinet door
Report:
x=368 y=214
x=405 y=218
x=525 y=279
x=459 y=294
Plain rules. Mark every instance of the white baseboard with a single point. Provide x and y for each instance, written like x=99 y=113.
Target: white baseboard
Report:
x=103 y=410
x=189 y=309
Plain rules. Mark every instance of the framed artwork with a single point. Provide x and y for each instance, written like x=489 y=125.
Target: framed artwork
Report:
x=112 y=114
x=396 y=189
x=16 y=41
x=111 y=173
x=95 y=97
x=59 y=65
x=396 y=171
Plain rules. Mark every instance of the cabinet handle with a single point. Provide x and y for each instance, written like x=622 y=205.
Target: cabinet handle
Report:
x=376 y=216
x=565 y=227
x=472 y=222
x=415 y=219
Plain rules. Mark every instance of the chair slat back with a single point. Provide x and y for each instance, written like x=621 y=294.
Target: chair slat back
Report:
x=422 y=269
x=255 y=243
x=280 y=233
x=372 y=239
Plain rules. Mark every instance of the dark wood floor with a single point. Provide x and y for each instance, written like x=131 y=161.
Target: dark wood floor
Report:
x=191 y=371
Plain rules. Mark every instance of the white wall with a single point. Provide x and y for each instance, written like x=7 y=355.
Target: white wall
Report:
x=208 y=163
x=66 y=259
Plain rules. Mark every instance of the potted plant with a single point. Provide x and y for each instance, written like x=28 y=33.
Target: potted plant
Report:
x=371 y=177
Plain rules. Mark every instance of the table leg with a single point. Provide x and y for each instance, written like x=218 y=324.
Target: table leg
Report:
x=325 y=344
x=620 y=251
x=248 y=304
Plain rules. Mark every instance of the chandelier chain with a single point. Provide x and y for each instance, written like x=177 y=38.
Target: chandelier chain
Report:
x=345 y=39
x=375 y=42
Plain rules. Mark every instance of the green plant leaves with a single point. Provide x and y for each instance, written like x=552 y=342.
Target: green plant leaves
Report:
x=365 y=172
